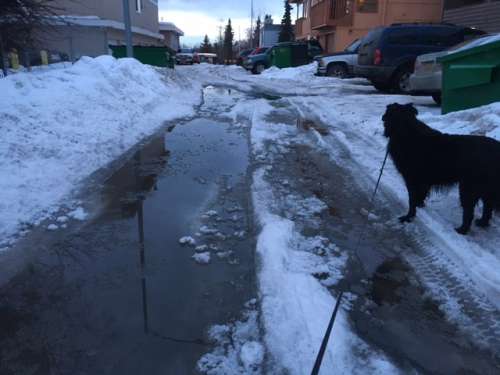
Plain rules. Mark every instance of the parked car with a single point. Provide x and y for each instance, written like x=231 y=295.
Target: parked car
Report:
x=185 y=57
x=259 y=62
x=427 y=78
x=208 y=58
x=242 y=56
x=339 y=64
x=387 y=54
x=259 y=50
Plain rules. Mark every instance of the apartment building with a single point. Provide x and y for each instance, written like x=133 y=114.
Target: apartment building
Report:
x=337 y=23
x=171 y=35
x=482 y=14
x=88 y=28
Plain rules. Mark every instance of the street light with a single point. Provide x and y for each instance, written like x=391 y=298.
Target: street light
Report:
x=128 y=28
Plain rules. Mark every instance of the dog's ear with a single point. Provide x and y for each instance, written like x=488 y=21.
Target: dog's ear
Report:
x=412 y=109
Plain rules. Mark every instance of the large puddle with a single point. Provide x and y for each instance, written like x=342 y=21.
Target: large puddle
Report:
x=122 y=295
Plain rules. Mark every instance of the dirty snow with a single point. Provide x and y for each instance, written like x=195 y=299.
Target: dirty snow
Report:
x=187 y=240
x=202 y=258
x=58 y=126
x=350 y=111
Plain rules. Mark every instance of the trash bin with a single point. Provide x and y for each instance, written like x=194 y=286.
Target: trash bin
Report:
x=471 y=77
x=281 y=56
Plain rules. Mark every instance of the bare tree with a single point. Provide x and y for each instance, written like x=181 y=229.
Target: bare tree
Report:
x=19 y=21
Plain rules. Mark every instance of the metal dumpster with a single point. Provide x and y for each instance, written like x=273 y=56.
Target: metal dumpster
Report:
x=471 y=77
x=157 y=56
x=290 y=54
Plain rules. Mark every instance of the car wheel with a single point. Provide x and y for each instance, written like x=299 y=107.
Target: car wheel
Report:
x=401 y=82
x=337 y=71
x=258 y=69
x=437 y=98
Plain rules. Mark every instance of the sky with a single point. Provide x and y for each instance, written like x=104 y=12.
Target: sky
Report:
x=199 y=17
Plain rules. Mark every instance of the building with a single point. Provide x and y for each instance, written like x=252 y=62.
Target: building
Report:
x=88 y=28
x=482 y=14
x=269 y=34
x=337 y=23
x=171 y=35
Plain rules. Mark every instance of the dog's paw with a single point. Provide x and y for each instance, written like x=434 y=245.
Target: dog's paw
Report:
x=482 y=223
x=461 y=230
x=406 y=219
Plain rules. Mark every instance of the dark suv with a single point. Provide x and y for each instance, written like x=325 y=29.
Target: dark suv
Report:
x=387 y=54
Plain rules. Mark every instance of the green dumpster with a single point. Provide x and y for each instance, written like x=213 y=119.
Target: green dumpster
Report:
x=471 y=77
x=291 y=54
x=281 y=56
x=157 y=56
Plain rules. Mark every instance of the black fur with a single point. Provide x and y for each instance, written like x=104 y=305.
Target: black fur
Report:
x=427 y=158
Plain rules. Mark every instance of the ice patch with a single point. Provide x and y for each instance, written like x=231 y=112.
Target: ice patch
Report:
x=187 y=240
x=78 y=214
x=202 y=258
x=238 y=349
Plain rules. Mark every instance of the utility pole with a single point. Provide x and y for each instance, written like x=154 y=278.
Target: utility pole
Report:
x=128 y=28
x=251 y=23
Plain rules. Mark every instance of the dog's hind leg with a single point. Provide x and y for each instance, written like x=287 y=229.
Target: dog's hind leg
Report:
x=468 y=199
x=412 y=203
x=484 y=222
x=422 y=193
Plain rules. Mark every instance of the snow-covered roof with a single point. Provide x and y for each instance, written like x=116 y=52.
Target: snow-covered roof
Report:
x=95 y=21
x=170 y=26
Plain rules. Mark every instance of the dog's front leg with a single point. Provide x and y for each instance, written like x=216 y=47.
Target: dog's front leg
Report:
x=468 y=201
x=412 y=204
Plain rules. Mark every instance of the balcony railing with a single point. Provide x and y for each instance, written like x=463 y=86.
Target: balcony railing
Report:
x=330 y=13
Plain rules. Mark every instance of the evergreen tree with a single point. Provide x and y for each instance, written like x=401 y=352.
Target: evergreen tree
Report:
x=206 y=46
x=228 y=41
x=256 y=33
x=286 y=32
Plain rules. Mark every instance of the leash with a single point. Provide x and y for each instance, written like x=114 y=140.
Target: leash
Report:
x=326 y=337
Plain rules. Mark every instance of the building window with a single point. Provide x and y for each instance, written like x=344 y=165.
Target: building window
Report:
x=452 y=4
x=367 y=6
x=138 y=6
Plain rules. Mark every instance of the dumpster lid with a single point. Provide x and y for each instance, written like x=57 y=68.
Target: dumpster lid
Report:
x=476 y=46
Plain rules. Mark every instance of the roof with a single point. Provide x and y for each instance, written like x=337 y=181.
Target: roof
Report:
x=94 y=21
x=170 y=26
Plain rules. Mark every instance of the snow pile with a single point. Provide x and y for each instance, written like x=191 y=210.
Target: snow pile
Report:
x=59 y=126
x=202 y=258
x=238 y=349
x=304 y=72
x=300 y=312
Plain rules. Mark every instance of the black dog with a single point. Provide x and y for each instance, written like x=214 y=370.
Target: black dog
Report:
x=427 y=158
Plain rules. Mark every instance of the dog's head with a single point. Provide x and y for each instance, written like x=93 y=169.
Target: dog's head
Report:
x=398 y=119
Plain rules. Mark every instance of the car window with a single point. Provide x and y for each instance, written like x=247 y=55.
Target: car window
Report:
x=372 y=36
x=353 y=47
x=403 y=37
x=440 y=37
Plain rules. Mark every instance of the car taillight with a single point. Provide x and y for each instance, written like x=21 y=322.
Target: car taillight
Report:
x=377 y=60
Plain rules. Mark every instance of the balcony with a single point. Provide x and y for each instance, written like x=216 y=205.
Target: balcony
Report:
x=302 y=28
x=330 y=13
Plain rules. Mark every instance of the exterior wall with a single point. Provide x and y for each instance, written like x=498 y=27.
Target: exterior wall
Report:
x=76 y=41
x=269 y=35
x=171 y=39
x=336 y=38
x=485 y=16
x=113 y=10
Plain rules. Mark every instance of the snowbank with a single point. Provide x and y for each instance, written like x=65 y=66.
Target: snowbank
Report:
x=304 y=72
x=59 y=126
